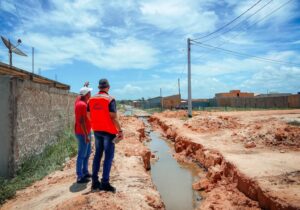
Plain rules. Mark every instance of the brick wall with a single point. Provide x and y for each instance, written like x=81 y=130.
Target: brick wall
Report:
x=170 y=102
x=39 y=113
x=292 y=101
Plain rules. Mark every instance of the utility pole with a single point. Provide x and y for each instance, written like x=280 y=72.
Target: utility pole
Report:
x=161 y=100
x=189 y=78
x=32 y=59
x=178 y=86
x=10 y=54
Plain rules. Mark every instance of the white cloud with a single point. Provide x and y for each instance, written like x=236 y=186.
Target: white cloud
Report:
x=187 y=16
x=280 y=16
x=129 y=91
x=122 y=54
x=155 y=76
x=128 y=53
x=7 y=6
x=280 y=79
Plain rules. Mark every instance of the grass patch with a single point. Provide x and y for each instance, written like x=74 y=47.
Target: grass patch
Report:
x=294 y=122
x=38 y=166
x=153 y=110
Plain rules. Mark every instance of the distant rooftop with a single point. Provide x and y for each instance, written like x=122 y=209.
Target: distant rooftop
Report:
x=20 y=73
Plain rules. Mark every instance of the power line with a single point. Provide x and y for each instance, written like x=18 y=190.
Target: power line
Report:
x=246 y=55
x=261 y=19
x=275 y=10
x=224 y=26
x=239 y=24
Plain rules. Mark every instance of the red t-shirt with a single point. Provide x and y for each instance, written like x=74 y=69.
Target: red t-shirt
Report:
x=81 y=110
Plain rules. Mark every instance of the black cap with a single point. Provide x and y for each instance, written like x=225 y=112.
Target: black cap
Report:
x=103 y=83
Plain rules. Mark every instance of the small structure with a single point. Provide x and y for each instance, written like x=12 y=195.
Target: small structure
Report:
x=171 y=102
x=234 y=93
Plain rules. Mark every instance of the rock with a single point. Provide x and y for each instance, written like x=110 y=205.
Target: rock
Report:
x=214 y=173
x=250 y=144
x=201 y=185
x=146 y=159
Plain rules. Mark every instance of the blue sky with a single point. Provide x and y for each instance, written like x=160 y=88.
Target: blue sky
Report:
x=140 y=46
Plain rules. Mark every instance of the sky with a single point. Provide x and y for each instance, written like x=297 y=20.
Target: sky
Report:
x=140 y=45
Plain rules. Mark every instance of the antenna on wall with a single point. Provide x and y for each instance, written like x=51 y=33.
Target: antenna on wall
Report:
x=12 y=49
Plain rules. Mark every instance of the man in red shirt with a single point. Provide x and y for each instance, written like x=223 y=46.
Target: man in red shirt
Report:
x=83 y=135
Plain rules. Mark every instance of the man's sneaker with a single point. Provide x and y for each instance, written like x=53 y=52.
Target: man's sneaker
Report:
x=88 y=175
x=95 y=186
x=82 y=180
x=107 y=187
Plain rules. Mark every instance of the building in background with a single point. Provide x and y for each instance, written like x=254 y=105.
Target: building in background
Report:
x=233 y=94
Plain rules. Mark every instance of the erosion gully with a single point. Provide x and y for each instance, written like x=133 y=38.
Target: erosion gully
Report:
x=173 y=180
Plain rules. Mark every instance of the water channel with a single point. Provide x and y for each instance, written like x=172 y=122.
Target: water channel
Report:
x=172 y=179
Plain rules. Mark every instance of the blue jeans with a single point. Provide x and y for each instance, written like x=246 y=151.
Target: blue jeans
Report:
x=84 y=151
x=103 y=143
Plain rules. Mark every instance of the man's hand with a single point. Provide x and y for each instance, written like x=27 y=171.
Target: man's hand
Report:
x=87 y=139
x=86 y=84
x=120 y=135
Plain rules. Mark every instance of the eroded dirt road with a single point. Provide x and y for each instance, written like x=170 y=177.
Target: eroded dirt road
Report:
x=252 y=157
x=135 y=189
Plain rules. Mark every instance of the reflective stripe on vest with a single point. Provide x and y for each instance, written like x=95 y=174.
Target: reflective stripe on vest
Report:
x=100 y=117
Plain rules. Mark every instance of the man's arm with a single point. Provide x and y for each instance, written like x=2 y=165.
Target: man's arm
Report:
x=114 y=117
x=83 y=127
x=82 y=121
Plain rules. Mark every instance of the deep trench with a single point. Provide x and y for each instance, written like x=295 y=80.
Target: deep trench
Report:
x=173 y=180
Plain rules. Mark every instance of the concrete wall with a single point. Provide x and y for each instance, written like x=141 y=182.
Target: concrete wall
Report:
x=39 y=114
x=5 y=126
x=292 y=101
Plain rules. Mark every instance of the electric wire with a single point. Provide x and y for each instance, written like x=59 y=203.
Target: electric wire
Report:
x=229 y=23
x=239 y=24
x=246 y=55
x=250 y=26
x=256 y=22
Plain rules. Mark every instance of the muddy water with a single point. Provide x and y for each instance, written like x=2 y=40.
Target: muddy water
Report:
x=173 y=180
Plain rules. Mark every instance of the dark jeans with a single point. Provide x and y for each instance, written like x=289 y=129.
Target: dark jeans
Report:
x=84 y=151
x=103 y=143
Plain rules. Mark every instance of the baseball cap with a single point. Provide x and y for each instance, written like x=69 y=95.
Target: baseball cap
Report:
x=103 y=83
x=84 y=90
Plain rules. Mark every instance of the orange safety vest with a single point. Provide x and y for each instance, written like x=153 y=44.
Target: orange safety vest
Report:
x=99 y=111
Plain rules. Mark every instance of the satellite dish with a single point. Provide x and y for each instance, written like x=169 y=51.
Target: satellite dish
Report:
x=12 y=49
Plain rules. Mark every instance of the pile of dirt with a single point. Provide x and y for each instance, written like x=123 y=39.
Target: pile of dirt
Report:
x=181 y=114
x=271 y=132
x=212 y=123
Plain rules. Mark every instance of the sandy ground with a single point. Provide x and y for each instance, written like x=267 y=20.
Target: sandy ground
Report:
x=248 y=154
x=135 y=189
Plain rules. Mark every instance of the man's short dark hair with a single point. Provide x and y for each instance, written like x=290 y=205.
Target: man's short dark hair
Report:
x=103 y=83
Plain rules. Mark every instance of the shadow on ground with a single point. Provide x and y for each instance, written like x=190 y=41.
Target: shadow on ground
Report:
x=75 y=187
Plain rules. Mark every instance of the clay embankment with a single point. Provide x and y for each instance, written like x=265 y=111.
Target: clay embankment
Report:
x=256 y=153
x=135 y=189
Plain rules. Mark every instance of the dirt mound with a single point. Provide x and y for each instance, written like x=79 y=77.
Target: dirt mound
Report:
x=271 y=133
x=175 y=114
x=212 y=123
